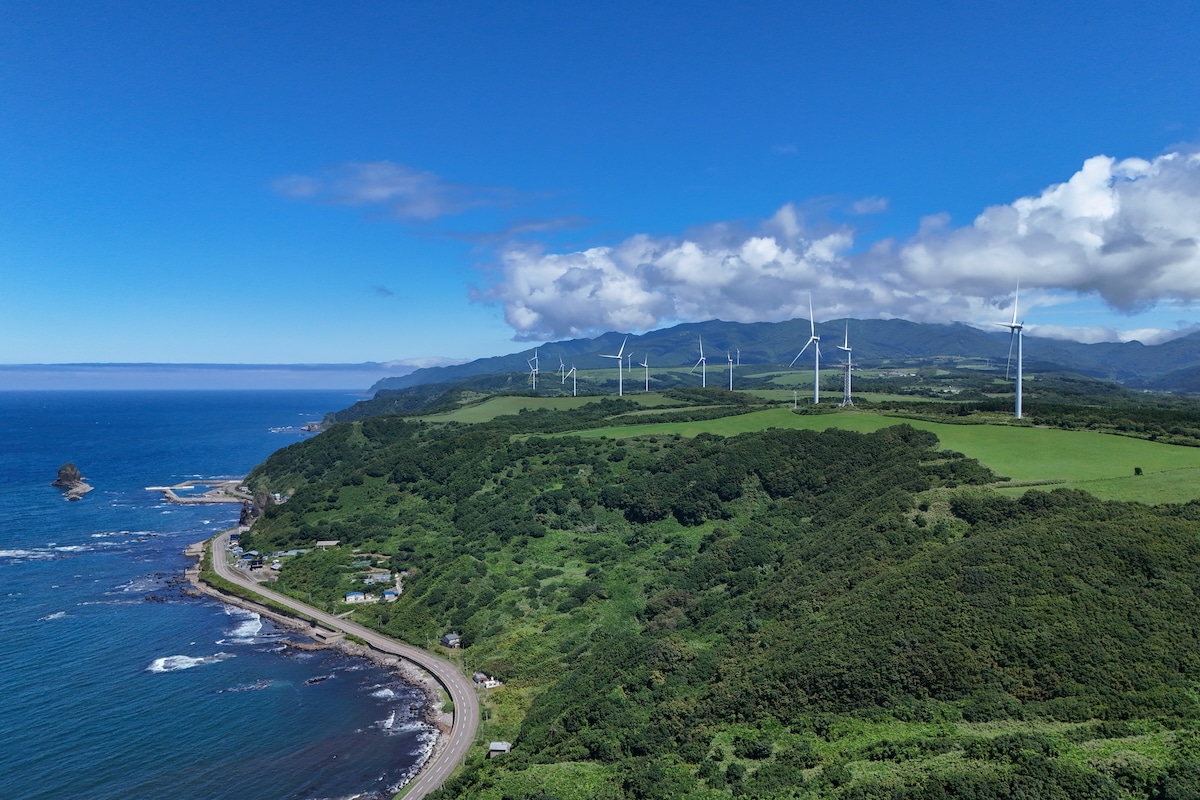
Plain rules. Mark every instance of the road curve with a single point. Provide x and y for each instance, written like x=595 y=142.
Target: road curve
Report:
x=462 y=692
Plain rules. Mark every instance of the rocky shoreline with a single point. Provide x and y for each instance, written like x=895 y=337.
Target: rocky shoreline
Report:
x=413 y=674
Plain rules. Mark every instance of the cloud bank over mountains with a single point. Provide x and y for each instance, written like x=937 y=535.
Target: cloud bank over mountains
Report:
x=1127 y=232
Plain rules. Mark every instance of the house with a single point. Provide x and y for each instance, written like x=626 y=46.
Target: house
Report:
x=452 y=640
x=325 y=544
x=499 y=748
x=357 y=597
x=390 y=595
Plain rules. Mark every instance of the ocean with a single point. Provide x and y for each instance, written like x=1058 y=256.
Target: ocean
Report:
x=114 y=683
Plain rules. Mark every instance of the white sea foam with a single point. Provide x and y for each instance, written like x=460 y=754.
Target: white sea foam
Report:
x=249 y=626
x=384 y=694
x=55 y=615
x=176 y=663
x=140 y=585
x=26 y=555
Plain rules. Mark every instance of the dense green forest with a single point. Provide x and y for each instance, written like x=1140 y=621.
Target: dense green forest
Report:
x=782 y=614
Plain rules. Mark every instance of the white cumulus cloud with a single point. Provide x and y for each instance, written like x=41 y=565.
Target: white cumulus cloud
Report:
x=1125 y=231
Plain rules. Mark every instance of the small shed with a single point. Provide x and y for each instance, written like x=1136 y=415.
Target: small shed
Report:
x=499 y=748
x=452 y=640
x=390 y=595
x=325 y=544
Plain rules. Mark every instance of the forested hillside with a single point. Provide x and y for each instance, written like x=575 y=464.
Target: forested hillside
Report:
x=778 y=614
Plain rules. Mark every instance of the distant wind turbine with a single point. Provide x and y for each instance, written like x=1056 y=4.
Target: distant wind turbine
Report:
x=571 y=374
x=533 y=368
x=619 y=357
x=730 y=358
x=847 y=400
x=1016 y=328
x=702 y=364
x=562 y=370
x=646 y=364
x=814 y=340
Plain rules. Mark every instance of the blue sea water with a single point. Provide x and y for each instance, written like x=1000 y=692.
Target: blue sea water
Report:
x=116 y=684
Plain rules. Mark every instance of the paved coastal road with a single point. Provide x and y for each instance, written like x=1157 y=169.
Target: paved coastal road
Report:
x=457 y=685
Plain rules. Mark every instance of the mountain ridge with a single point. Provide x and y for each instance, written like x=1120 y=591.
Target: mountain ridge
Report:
x=1171 y=366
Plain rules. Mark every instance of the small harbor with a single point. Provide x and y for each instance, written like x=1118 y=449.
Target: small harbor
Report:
x=214 y=490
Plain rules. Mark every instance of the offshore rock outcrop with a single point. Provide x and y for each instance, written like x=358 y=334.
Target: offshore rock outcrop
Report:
x=70 y=479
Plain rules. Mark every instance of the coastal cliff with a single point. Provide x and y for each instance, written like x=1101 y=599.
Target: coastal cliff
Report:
x=70 y=479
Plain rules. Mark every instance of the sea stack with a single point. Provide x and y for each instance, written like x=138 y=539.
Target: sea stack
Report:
x=72 y=481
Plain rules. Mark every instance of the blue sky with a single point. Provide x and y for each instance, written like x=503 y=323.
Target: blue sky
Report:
x=299 y=182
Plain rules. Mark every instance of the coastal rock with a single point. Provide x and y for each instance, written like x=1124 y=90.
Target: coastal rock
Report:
x=70 y=479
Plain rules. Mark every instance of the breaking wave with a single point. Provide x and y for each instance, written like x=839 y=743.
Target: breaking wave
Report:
x=177 y=663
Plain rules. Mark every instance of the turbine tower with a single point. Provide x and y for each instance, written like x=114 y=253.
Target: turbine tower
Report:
x=814 y=340
x=571 y=373
x=730 y=359
x=533 y=368
x=1016 y=328
x=646 y=364
x=847 y=400
x=702 y=364
x=620 y=362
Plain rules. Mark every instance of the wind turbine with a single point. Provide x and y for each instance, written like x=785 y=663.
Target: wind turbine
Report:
x=702 y=364
x=730 y=359
x=739 y=356
x=562 y=370
x=571 y=373
x=847 y=400
x=646 y=364
x=619 y=357
x=814 y=340
x=533 y=368
x=1016 y=328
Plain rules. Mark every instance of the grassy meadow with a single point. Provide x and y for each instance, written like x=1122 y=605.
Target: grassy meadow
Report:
x=1098 y=463
x=502 y=405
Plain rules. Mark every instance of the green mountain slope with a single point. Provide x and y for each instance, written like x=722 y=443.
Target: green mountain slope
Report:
x=777 y=614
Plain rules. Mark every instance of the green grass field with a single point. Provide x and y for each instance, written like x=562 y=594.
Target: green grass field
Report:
x=1099 y=463
x=502 y=405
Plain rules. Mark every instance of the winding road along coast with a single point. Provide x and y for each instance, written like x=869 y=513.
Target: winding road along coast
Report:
x=446 y=758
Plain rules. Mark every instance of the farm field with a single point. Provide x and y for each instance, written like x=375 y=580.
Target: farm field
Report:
x=1098 y=463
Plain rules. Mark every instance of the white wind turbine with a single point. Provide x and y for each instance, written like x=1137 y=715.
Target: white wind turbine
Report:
x=620 y=361
x=814 y=340
x=730 y=359
x=847 y=400
x=702 y=364
x=562 y=370
x=571 y=374
x=533 y=368
x=646 y=364
x=1016 y=328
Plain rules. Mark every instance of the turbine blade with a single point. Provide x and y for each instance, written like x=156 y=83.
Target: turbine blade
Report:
x=812 y=323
